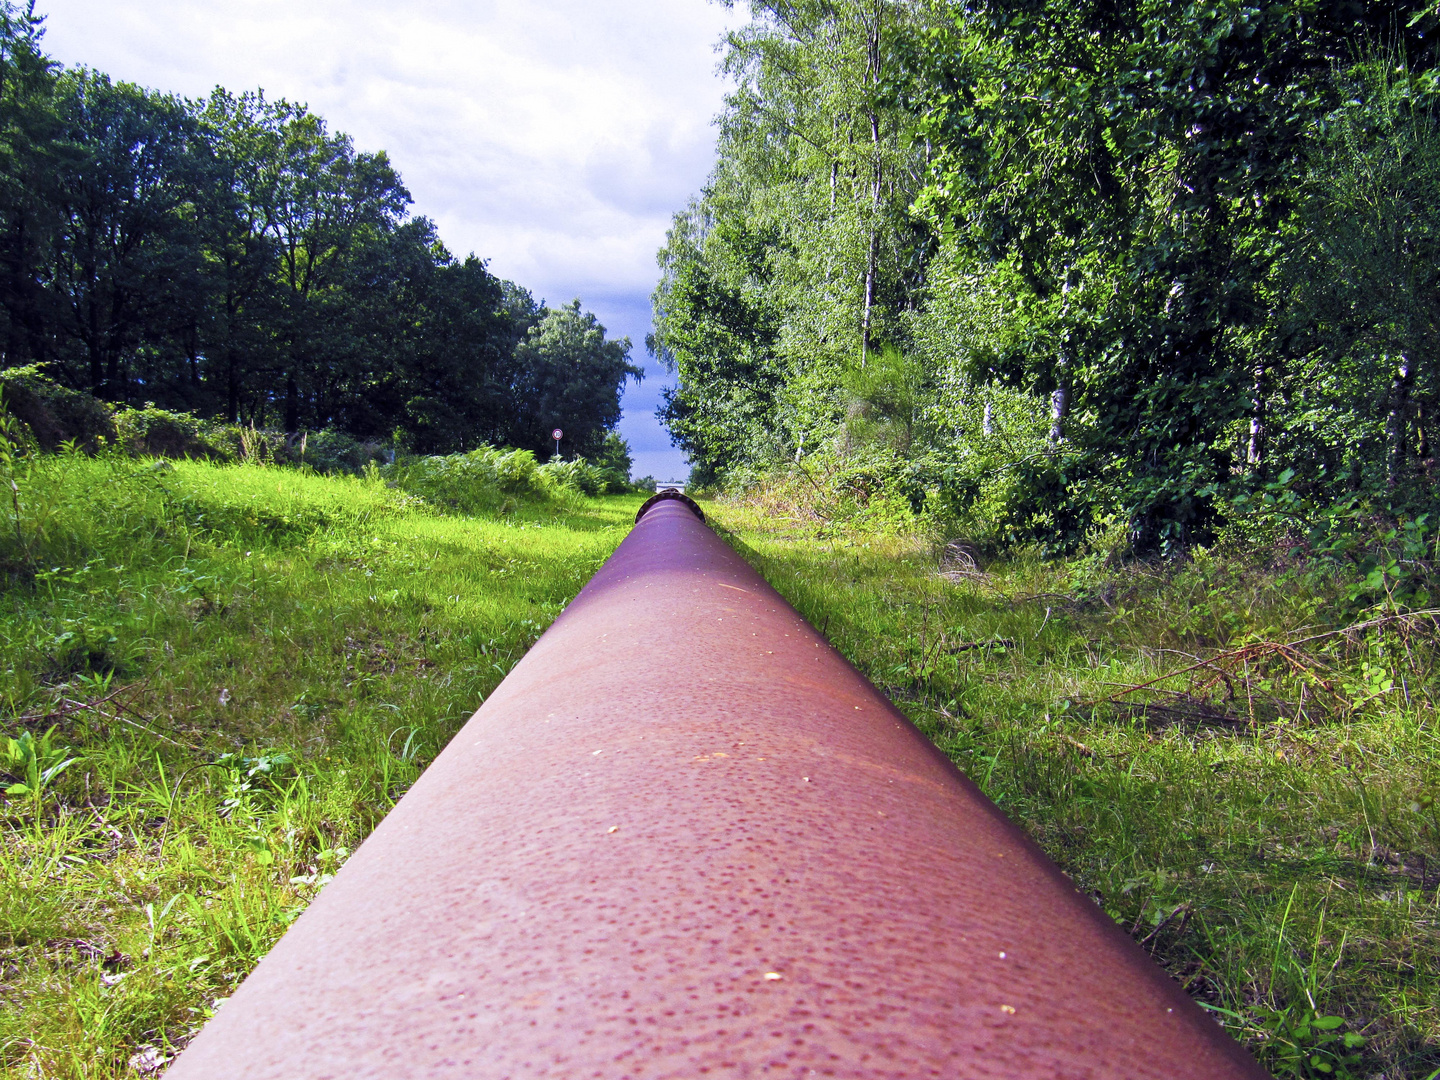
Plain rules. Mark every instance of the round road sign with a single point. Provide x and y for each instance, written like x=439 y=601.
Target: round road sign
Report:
x=557 y=434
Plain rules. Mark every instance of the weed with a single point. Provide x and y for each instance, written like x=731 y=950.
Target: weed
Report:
x=36 y=762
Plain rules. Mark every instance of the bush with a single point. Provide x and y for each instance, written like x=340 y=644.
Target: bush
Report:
x=253 y=445
x=153 y=432
x=471 y=483
x=332 y=452
x=579 y=475
x=483 y=480
x=54 y=414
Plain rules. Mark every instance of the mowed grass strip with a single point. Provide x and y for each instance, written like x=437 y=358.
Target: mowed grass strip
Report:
x=1283 y=864
x=246 y=668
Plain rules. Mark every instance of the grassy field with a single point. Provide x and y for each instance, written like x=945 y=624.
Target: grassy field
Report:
x=1279 y=853
x=246 y=667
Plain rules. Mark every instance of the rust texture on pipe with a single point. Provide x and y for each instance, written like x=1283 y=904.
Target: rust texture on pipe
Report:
x=685 y=837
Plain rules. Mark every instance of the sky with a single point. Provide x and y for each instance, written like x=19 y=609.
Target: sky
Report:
x=554 y=138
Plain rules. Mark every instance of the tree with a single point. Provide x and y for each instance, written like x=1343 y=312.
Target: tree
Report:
x=1149 y=157
x=126 y=253
x=571 y=377
x=234 y=257
x=801 y=247
x=28 y=136
x=1367 y=279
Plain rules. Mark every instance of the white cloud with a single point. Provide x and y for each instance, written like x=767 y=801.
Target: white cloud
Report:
x=553 y=137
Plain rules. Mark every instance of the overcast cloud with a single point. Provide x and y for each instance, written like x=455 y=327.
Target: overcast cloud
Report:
x=553 y=137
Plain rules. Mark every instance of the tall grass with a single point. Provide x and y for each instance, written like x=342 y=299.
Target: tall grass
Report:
x=1279 y=854
x=248 y=666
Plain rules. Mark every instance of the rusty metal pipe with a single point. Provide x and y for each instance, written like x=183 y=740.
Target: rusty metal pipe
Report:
x=686 y=837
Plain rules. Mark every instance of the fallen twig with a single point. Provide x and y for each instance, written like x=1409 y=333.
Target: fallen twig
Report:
x=1367 y=624
x=994 y=643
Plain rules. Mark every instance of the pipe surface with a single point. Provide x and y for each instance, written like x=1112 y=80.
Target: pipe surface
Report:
x=685 y=837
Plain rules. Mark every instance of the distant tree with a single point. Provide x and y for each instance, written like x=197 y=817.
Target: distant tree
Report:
x=127 y=256
x=571 y=377
x=328 y=201
x=236 y=331
x=29 y=134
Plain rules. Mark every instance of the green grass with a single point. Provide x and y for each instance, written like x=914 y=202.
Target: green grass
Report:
x=1282 y=862
x=248 y=667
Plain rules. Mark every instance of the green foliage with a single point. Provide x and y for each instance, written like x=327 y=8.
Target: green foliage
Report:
x=572 y=380
x=1366 y=291
x=54 y=414
x=1309 y=1045
x=488 y=480
x=577 y=475
x=1192 y=245
x=613 y=458
x=233 y=259
x=152 y=432
x=477 y=482
x=35 y=763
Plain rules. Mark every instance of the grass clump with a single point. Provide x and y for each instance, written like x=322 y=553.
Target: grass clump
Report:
x=216 y=680
x=1237 y=755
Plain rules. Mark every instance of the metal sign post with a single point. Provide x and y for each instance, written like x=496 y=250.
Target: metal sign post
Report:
x=557 y=435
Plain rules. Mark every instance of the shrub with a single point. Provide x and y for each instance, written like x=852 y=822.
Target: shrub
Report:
x=471 y=483
x=153 y=432
x=54 y=414
x=256 y=446
x=484 y=479
x=332 y=452
x=579 y=475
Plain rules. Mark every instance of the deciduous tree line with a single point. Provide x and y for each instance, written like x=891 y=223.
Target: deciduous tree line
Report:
x=1063 y=263
x=234 y=257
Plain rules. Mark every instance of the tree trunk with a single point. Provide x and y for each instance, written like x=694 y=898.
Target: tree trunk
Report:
x=1059 y=406
x=872 y=71
x=232 y=384
x=869 y=302
x=1255 y=450
x=1396 y=422
x=1060 y=396
x=292 y=406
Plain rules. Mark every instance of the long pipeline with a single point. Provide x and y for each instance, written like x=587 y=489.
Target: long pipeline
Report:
x=685 y=837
